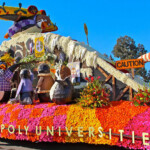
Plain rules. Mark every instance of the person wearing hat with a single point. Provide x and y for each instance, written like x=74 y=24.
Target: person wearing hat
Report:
x=6 y=75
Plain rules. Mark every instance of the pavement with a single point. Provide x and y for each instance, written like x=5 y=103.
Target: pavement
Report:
x=25 y=145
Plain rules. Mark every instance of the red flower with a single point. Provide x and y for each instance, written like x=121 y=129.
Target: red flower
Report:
x=87 y=79
x=138 y=101
x=98 y=77
x=92 y=79
x=90 y=76
x=98 y=92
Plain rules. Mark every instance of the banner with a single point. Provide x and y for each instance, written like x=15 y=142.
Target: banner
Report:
x=39 y=47
x=75 y=72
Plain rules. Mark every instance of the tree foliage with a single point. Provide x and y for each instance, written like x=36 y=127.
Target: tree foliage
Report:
x=147 y=77
x=127 y=49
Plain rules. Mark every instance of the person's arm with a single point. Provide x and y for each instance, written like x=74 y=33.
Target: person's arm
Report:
x=13 y=67
x=19 y=89
x=9 y=72
x=31 y=76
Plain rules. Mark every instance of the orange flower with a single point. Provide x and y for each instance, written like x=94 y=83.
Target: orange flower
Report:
x=61 y=110
x=59 y=139
x=14 y=115
x=22 y=123
x=32 y=137
x=28 y=106
x=10 y=108
x=117 y=116
x=51 y=104
x=46 y=121
x=1 y=119
x=84 y=117
x=5 y=134
x=12 y=136
x=36 y=112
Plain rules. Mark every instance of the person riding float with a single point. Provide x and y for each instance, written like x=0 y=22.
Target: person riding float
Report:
x=6 y=75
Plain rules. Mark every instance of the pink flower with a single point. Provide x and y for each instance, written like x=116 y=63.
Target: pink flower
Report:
x=24 y=114
x=6 y=118
x=98 y=77
x=41 y=106
x=22 y=136
x=60 y=121
x=45 y=138
x=32 y=123
x=94 y=93
x=49 y=111
x=138 y=124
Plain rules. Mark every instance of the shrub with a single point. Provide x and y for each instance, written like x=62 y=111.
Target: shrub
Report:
x=94 y=94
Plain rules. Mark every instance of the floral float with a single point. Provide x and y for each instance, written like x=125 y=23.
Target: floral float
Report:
x=49 y=122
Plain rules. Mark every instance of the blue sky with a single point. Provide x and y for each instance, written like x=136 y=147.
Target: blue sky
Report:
x=106 y=20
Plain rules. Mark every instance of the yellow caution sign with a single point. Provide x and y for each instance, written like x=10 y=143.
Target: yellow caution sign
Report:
x=39 y=47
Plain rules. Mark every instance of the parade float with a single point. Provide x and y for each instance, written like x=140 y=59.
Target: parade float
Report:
x=95 y=106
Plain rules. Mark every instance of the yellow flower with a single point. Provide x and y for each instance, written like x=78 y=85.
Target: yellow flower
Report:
x=84 y=117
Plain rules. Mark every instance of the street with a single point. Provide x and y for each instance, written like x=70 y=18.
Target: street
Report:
x=25 y=145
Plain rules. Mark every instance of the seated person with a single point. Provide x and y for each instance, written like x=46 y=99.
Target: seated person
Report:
x=25 y=89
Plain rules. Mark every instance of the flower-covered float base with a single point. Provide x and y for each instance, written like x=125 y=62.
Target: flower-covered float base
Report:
x=72 y=124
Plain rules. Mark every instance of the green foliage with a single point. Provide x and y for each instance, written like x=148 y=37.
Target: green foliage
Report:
x=30 y=61
x=94 y=94
x=147 y=77
x=32 y=58
x=127 y=49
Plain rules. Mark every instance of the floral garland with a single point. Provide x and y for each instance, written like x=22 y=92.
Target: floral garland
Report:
x=119 y=115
